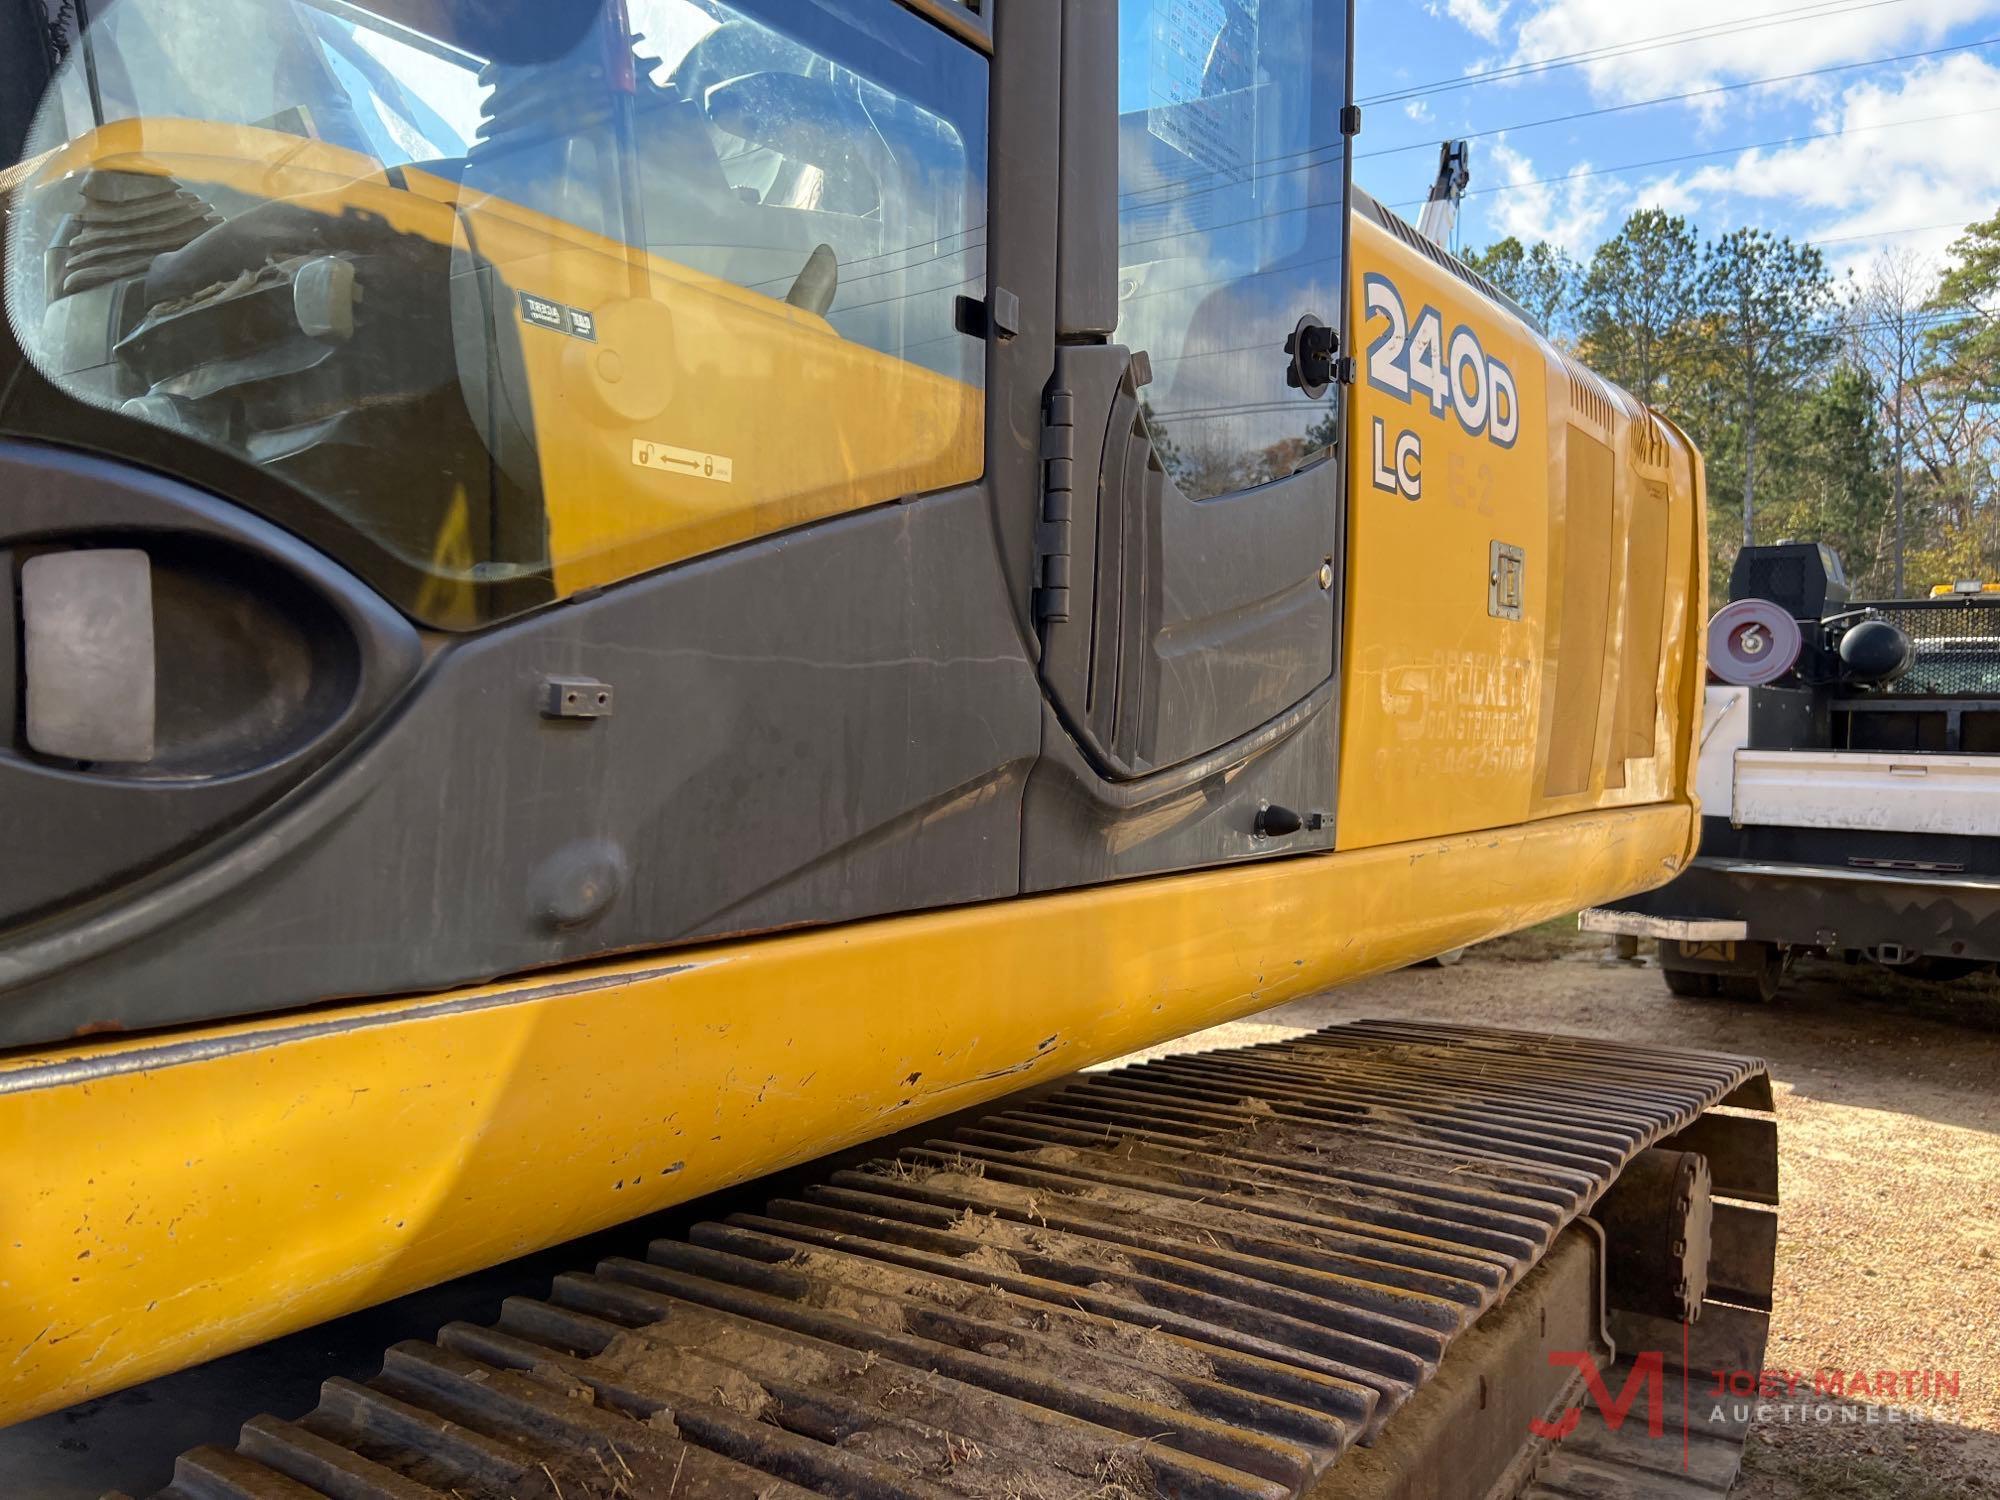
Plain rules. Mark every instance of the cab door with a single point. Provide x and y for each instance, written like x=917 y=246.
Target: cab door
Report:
x=1187 y=596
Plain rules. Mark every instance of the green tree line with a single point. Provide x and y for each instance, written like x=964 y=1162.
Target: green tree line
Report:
x=1861 y=411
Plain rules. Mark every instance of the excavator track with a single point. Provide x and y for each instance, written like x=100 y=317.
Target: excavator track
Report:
x=1336 y=1265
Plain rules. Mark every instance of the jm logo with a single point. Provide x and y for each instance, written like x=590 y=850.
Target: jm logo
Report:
x=1649 y=1374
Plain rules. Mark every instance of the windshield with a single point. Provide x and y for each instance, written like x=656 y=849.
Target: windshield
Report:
x=523 y=296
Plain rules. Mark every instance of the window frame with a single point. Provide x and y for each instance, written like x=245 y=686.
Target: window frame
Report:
x=969 y=20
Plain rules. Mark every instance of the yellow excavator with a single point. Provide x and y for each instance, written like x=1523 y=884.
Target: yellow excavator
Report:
x=599 y=598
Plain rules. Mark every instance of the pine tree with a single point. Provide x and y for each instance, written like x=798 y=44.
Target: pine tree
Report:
x=1970 y=343
x=1542 y=278
x=1764 y=303
x=1638 y=304
x=1834 y=476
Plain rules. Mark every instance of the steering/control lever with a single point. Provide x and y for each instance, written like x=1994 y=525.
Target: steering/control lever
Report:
x=817 y=282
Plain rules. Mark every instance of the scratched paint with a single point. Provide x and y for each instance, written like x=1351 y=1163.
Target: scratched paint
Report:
x=256 y=1178
x=1447 y=715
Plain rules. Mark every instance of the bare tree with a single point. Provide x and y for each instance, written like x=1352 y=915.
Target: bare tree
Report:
x=1888 y=318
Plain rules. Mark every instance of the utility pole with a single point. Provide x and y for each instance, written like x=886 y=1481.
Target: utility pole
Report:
x=1899 y=469
x=1890 y=316
x=1750 y=363
x=1902 y=379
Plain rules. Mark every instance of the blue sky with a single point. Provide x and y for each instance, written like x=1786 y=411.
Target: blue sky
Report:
x=1911 y=146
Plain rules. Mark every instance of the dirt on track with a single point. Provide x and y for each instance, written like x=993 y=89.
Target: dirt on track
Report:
x=1888 y=1097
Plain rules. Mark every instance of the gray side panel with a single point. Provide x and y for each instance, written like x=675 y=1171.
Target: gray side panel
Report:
x=1192 y=636
x=833 y=724
x=10 y=649
x=1078 y=829
x=230 y=591
x=1189 y=623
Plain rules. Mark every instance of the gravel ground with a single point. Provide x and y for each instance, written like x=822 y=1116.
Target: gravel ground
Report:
x=1888 y=1098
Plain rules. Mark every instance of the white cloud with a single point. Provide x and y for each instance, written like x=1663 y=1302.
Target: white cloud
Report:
x=1834 y=32
x=1418 y=110
x=1480 y=17
x=1880 y=173
x=1572 y=213
x=1669 y=195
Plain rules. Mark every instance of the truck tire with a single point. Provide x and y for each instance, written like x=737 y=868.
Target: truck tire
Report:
x=1945 y=970
x=1449 y=959
x=1759 y=985
x=1690 y=984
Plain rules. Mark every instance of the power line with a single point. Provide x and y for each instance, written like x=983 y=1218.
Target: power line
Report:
x=1242 y=409
x=1883 y=234
x=912 y=248
x=1194 y=229
x=1171 y=189
x=1172 y=186
x=1723 y=88
x=1591 y=54
x=1668 y=161
x=1661 y=43
x=1919 y=322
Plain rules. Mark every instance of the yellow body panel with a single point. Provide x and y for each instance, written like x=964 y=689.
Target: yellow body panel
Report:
x=700 y=415
x=753 y=416
x=1454 y=718
x=171 y=1199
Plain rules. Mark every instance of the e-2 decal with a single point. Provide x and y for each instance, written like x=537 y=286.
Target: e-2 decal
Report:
x=1453 y=375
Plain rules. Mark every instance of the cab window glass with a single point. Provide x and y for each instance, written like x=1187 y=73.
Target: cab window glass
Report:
x=1229 y=215
x=525 y=298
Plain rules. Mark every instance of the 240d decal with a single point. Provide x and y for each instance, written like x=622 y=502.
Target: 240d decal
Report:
x=1455 y=375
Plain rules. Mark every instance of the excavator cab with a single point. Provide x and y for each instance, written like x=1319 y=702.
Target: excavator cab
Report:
x=443 y=298
x=421 y=324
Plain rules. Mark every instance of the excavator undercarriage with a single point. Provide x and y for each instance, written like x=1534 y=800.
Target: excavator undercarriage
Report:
x=1389 y=1259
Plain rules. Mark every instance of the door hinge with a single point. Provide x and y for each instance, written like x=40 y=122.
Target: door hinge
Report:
x=1052 y=531
x=1350 y=120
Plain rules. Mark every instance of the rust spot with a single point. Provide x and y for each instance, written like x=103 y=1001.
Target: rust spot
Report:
x=911 y=1079
x=98 y=1028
